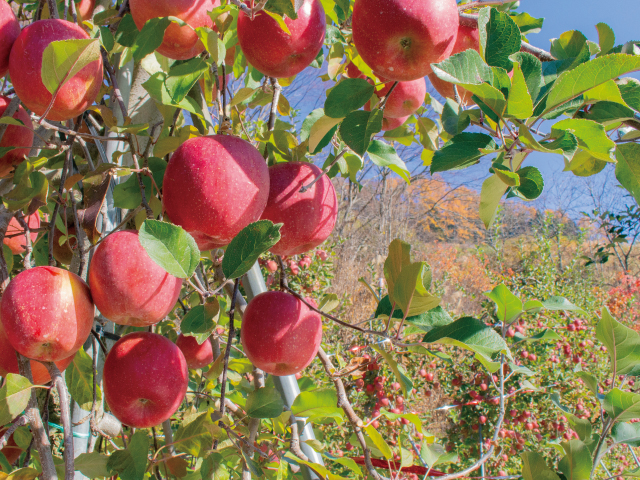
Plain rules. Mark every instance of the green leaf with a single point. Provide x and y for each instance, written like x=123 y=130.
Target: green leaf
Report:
x=244 y=250
x=623 y=343
x=531 y=70
x=630 y=90
x=607 y=39
x=461 y=151
x=526 y=23
x=493 y=189
x=569 y=45
x=531 y=182
x=509 y=306
x=534 y=467
x=584 y=77
x=131 y=463
x=321 y=132
x=321 y=471
x=347 y=96
x=149 y=38
x=200 y=321
x=591 y=136
x=8 y=257
x=127 y=194
x=356 y=129
x=425 y=321
x=182 y=78
x=465 y=68
x=576 y=464
x=545 y=335
x=329 y=302
x=321 y=403
x=127 y=31
x=212 y=43
x=14 y=396
x=79 y=379
x=607 y=92
x=384 y=155
x=583 y=164
x=410 y=292
x=627 y=433
x=379 y=442
x=508 y=177
x=282 y=7
x=628 y=168
x=171 y=247
x=562 y=304
x=470 y=334
x=93 y=465
x=490 y=96
x=622 y=406
x=311 y=119
x=264 y=403
x=499 y=37
x=520 y=104
x=412 y=417
x=62 y=59
x=346 y=462
x=398 y=370
x=565 y=145
x=399 y=256
x=32 y=189
x=194 y=435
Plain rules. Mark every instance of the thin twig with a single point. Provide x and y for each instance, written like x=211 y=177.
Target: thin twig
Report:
x=65 y=418
x=340 y=155
x=21 y=421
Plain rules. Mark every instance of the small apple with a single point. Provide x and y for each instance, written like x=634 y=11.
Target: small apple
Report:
x=276 y=53
x=280 y=334
x=400 y=39
x=15 y=237
x=405 y=99
x=308 y=217
x=145 y=379
x=47 y=313
x=196 y=355
x=9 y=31
x=84 y=10
x=127 y=286
x=15 y=136
x=25 y=65
x=179 y=43
x=214 y=187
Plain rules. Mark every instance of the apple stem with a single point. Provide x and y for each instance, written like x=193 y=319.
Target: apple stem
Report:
x=65 y=418
x=383 y=103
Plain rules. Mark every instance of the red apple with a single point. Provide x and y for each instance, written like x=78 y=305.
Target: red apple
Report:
x=64 y=253
x=127 y=286
x=468 y=38
x=9 y=362
x=11 y=451
x=84 y=10
x=280 y=334
x=16 y=238
x=47 y=313
x=25 y=65
x=9 y=31
x=179 y=43
x=405 y=99
x=15 y=136
x=399 y=39
x=196 y=355
x=274 y=52
x=308 y=217
x=145 y=379
x=214 y=187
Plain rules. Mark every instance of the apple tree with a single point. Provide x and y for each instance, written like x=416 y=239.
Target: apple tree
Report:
x=149 y=156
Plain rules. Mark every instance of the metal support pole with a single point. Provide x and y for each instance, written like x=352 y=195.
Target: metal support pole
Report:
x=481 y=448
x=253 y=283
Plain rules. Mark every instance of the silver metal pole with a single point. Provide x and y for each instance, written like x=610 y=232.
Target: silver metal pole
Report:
x=253 y=283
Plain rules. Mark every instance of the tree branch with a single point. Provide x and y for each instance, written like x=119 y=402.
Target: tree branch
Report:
x=65 y=418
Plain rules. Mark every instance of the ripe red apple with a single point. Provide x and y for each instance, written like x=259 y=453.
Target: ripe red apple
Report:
x=25 y=65
x=405 y=99
x=308 y=217
x=127 y=286
x=64 y=253
x=179 y=43
x=399 y=39
x=9 y=362
x=272 y=266
x=196 y=355
x=145 y=379
x=468 y=38
x=15 y=136
x=16 y=238
x=214 y=187
x=9 y=31
x=275 y=53
x=280 y=334
x=47 y=313
x=84 y=10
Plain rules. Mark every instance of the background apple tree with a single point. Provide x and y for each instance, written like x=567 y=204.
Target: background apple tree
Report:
x=153 y=172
